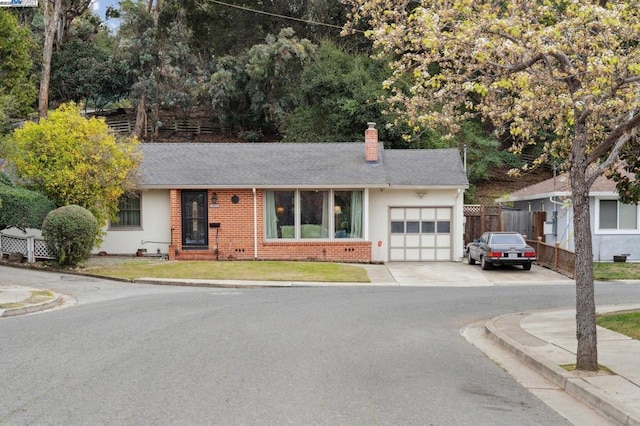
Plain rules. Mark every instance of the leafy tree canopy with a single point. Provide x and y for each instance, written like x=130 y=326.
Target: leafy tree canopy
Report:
x=84 y=68
x=235 y=26
x=254 y=91
x=74 y=160
x=570 y=67
x=17 y=88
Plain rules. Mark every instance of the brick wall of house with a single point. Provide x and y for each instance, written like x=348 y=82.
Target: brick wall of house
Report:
x=235 y=234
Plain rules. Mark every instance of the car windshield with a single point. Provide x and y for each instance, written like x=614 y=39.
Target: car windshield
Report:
x=507 y=239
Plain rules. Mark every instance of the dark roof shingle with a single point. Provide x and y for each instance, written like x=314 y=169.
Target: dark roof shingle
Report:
x=188 y=165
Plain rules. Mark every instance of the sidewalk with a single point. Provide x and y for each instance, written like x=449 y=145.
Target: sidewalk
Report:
x=547 y=339
x=24 y=300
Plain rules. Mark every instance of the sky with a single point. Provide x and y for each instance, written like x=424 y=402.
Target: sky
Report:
x=100 y=7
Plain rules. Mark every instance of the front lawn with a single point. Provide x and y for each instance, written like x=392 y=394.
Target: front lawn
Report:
x=627 y=323
x=604 y=271
x=236 y=270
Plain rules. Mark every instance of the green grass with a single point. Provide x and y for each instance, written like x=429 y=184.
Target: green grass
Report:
x=574 y=367
x=236 y=270
x=604 y=271
x=627 y=323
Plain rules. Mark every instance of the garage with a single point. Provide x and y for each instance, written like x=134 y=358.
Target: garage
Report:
x=420 y=234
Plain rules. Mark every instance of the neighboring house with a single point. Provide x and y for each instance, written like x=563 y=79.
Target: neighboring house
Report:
x=615 y=226
x=349 y=202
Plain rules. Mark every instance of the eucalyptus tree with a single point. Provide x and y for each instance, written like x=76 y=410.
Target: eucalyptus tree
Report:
x=571 y=67
x=253 y=92
x=57 y=17
x=17 y=89
x=229 y=27
x=84 y=69
x=159 y=60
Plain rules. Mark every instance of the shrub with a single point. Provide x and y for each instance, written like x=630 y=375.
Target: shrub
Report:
x=22 y=208
x=70 y=234
x=4 y=180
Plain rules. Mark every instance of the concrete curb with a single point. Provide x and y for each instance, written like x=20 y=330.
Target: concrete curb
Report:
x=571 y=383
x=57 y=300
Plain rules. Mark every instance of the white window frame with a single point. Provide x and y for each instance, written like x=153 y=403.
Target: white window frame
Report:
x=617 y=230
x=331 y=218
x=117 y=226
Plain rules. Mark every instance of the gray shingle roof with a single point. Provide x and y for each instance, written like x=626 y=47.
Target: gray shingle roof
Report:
x=424 y=167
x=192 y=165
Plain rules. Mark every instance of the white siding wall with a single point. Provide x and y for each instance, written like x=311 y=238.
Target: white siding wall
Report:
x=155 y=229
x=381 y=201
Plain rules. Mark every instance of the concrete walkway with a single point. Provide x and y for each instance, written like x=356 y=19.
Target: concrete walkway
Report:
x=541 y=340
x=545 y=340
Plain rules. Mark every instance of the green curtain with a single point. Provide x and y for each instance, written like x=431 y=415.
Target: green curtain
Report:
x=270 y=219
x=356 y=214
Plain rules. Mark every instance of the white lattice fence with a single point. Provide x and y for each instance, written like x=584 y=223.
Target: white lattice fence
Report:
x=31 y=247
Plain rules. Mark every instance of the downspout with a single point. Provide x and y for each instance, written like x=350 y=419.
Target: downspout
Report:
x=555 y=216
x=255 y=224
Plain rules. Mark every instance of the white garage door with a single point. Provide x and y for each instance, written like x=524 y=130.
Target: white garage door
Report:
x=420 y=233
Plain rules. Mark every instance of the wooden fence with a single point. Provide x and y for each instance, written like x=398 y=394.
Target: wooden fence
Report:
x=175 y=125
x=480 y=219
x=555 y=258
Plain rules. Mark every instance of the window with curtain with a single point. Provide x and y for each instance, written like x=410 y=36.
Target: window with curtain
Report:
x=279 y=214
x=614 y=215
x=313 y=214
x=128 y=211
x=348 y=214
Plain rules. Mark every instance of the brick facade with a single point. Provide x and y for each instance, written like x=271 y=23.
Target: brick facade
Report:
x=235 y=236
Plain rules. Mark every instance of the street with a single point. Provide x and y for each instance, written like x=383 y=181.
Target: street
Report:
x=143 y=354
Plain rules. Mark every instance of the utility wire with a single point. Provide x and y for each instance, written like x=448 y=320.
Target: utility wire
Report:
x=306 y=21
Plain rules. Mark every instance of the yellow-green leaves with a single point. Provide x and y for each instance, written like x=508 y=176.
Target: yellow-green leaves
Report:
x=527 y=66
x=74 y=160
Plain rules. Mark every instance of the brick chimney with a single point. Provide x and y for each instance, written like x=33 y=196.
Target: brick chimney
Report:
x=371 y=143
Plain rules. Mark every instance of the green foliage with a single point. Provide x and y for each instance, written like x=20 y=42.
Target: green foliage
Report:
x=159 y=61
x=483 y=152
x=218 y=31
x=74 y=160
x=338 y=94
x=255 y=91
x=4 y=180
x=84 y=69
x=17 y=89
x=21 y=208
x=70 y=234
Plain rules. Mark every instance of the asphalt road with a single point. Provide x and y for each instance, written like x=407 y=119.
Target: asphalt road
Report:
x=136 y=354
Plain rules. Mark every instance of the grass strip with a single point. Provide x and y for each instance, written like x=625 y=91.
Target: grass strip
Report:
x=236 y=270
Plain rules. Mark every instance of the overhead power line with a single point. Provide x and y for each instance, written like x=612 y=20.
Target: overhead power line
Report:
x=275 y=15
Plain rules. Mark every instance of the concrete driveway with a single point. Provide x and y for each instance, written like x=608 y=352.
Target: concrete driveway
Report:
x=460 y=274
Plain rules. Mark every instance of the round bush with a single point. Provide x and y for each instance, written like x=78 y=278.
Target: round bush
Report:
x=70 y=234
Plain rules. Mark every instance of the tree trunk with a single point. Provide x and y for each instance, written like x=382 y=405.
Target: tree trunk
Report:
x=587 y=354
x=51 y=18
x=141 y=117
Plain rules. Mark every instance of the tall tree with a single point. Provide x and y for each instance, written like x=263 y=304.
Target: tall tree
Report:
x=84 y=68
x=74 y=160
x=17 y=89
x=254 y=91
x=230 y=27
x=58 y=16
x=572 y=67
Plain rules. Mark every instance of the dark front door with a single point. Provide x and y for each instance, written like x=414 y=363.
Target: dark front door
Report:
x=194 y=219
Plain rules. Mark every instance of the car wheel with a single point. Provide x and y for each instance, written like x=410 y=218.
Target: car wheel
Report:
x=470 y=260
x=484 y=264
x=527 y=266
